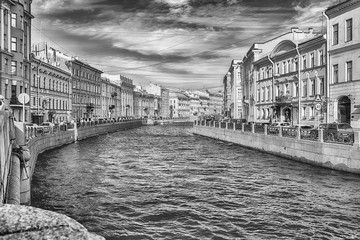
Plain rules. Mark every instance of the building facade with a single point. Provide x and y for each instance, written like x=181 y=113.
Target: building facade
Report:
x=344 y=59
x=110 y=99
x=51 y=93
x=15 y=67
x=179 y=105
x=254 y=62
x=234 y=90
x=165 y=103
x=127 y=96
x=293 y=74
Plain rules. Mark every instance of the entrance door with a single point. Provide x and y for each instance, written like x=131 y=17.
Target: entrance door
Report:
x=344 y=110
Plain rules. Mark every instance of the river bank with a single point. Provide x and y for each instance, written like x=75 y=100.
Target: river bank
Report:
x=343 y=157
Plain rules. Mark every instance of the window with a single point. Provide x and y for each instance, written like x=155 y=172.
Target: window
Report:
x=335 y=73
x=312 y=87
x=263 y=93
x=278 y=68
x=304 y=62
x=321 y=57
x=21 y=46
x=13 y=19
x=296 y=86
x=288 y=65
x=335 y=34
x=348 y=30
x=284 y=67
x=277 y=92
x=13 y=67
x=296 y=65
x=349 y=71
x=304 y=93
x=13 y=44
x=322 y=86
x=258 y=93
x=312 y=60
x=303 y=112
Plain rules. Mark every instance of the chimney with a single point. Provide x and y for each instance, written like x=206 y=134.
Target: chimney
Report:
x=294 y=29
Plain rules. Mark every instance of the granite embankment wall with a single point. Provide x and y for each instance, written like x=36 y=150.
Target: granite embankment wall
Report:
x=330 y=155
x=45 y=142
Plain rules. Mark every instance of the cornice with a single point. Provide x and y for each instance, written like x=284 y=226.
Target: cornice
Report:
x=341 y=8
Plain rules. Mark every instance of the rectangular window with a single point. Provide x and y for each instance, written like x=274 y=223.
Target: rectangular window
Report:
x=312 y=87
x=13 y=91
x=335 y=73
x=349 y=71
x=21 y=46
x=312 y=60
x=304 y=93
x=321 y=57
x=13 y=44
x=13 y=67
x=348 y=30
x=13 y=19
x=335 y=34
x=304 y=62
x=322 y=86
x=296 y=90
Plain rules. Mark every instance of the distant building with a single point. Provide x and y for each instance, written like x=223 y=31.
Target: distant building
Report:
x=144 y=103
x=15 y=42
x=86 y=80
x=165 y=103
x=51 y=93
x=179 y=105
x=344 y=61
x=127 y=96
x=155 y=90
x=233 y=88
x=216 y=103
x=110 y=99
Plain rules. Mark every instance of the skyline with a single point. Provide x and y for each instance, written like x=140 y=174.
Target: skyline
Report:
x=174 y=43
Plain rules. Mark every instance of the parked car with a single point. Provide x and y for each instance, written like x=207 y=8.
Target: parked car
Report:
x=341 y=132
x=274 y=128
x=47 y=126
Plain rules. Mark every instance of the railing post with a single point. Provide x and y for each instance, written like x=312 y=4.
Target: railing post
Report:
x=242 y=127
x=234 y=126
x=252 y=127
x=280 y=131
x=321 y=135
x=356 y=138
x=298 y=133
x=214 y=124
x=265 y=129
x=226 y=125
x=219 y=124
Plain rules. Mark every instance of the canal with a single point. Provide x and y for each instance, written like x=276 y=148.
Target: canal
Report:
x=162 y=182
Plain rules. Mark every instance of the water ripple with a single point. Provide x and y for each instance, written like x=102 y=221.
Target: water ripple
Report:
x=163 y=182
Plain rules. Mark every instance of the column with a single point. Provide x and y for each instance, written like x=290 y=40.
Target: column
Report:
x=2 y=28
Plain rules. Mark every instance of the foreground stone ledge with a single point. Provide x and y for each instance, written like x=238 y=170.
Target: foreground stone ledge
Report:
x=25 y=222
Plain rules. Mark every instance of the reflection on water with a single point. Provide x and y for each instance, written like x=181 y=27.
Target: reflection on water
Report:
x=162 y=182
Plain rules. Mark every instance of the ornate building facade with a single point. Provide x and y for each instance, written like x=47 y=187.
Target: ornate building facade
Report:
x=15 y=42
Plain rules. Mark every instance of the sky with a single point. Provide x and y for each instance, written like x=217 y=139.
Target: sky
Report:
x=179 y=44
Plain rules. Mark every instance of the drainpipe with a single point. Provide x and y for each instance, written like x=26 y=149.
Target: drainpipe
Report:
x=299 y=84
x=273 y=82
x=327 y=68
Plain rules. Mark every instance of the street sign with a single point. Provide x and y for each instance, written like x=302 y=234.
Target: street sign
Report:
x=318 y=106
x=318 y=98
x=23 y=98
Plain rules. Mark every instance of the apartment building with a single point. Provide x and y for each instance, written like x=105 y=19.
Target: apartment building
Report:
x=15 y=67
x=343 y=61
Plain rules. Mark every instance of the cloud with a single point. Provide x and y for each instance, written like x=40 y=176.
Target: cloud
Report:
x=170 y=41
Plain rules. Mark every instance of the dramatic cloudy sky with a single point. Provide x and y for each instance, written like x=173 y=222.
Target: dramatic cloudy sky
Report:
x=175 y=43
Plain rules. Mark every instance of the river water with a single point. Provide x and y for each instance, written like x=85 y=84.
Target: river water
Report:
x=162 y=182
